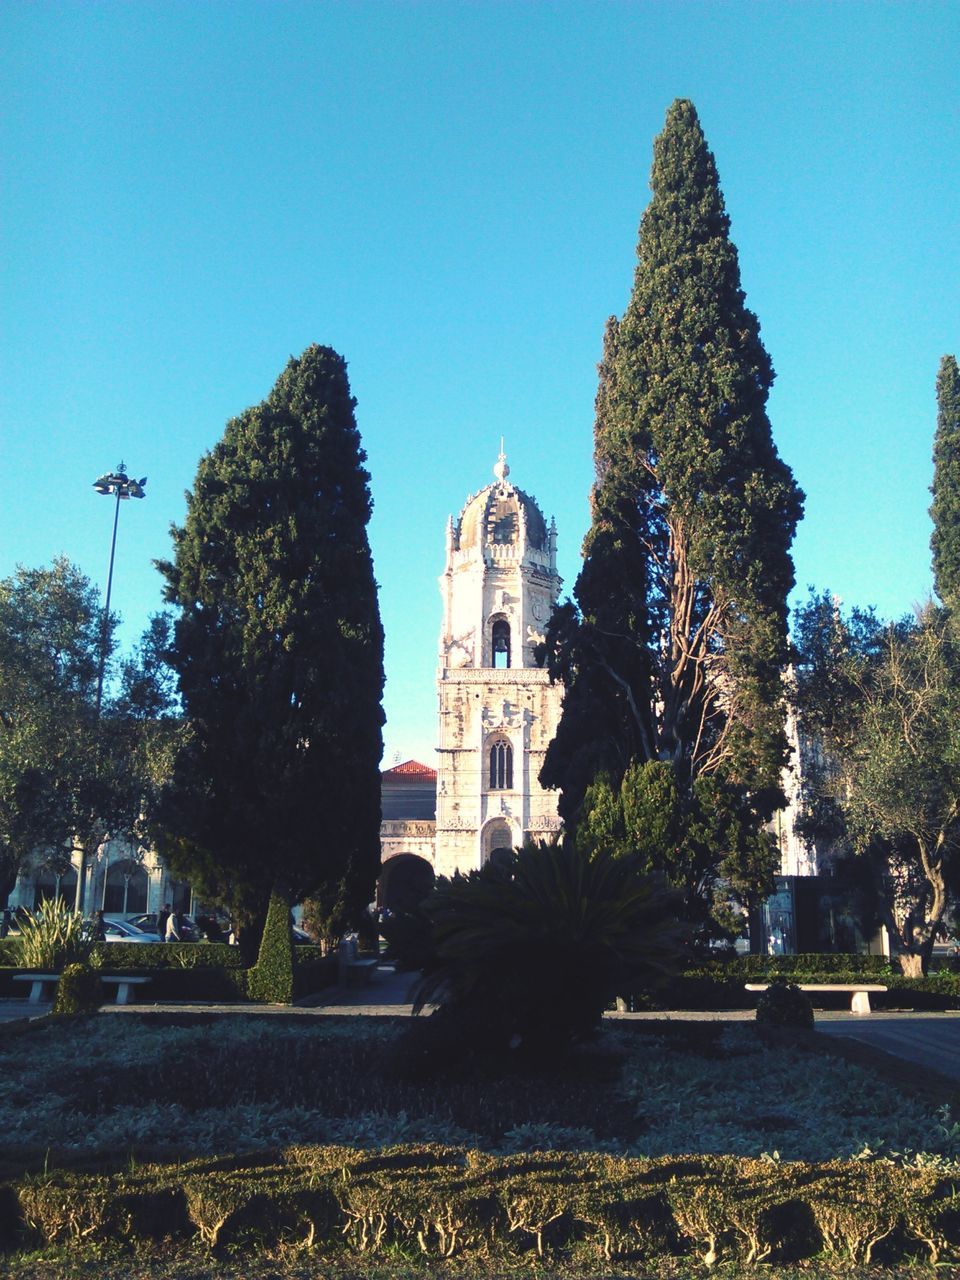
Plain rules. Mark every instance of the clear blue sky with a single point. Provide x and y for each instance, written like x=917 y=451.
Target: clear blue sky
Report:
x=449 y=194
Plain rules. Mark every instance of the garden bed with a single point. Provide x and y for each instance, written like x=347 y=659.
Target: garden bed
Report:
x=104 y=1119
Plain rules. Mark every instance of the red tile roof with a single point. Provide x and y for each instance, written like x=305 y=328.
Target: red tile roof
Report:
x=410 y=769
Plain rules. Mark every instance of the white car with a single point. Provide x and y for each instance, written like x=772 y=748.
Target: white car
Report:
x=123 y=931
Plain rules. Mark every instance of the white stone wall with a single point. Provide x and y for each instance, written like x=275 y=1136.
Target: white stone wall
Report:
x=500 y=565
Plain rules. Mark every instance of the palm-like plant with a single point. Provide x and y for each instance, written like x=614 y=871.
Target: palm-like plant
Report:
x=53 y=936
x=529 y=951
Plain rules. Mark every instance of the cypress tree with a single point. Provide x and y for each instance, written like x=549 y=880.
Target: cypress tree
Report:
x=945 y=510
x=279 y=652
x=680 y=635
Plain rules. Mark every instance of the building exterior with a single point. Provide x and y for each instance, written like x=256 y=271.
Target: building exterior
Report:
x=498 y=710
x=120 y=879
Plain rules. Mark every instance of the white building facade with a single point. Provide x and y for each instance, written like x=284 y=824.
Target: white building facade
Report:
x=498 y=710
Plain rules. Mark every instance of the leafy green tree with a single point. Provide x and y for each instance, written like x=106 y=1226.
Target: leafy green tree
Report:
x=279 y=652
x=68 y=777
x=884 y=702
x=945 y=511
x=704 y=844
x=675 y=649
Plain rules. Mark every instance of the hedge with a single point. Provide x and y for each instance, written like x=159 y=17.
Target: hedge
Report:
x=201 y=982
x=757 y=968
x=164 y=955
x=270 y=981
x=444 y=1202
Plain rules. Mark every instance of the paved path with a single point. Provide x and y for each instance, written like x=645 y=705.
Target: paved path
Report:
x=932 y=1040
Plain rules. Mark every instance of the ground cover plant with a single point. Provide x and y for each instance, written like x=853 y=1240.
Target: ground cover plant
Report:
x=655 y=1140
x=220 y=1085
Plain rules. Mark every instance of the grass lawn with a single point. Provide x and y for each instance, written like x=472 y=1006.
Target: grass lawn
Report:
x=111 y=1094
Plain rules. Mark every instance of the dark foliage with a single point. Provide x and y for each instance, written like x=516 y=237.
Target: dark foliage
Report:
x=783 y=1004
x=279 y=653
x=674 y=650
x=945 y=510
x=529 y=949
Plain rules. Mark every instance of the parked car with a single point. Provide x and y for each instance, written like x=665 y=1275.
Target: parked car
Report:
x=189 y=933
x=124 y=931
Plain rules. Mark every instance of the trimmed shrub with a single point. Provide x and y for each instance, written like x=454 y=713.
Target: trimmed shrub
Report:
x=783 y=1004
x=78 y=991
x=166 y=955
x=839 y=965
x=446 y=1202
x=270 y=981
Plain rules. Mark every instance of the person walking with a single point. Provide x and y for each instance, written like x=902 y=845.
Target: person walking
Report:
x=162 y=919
x=174 y=927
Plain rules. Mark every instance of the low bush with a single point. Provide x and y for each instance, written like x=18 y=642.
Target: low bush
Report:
x=78 y=991
x=166 y=955
x=442 y=1203
x=783 y=1004
x=841 y=965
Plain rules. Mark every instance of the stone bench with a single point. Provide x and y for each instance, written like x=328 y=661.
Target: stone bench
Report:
x=859 y=991
x=352 y=968
x=41 y=981
x=123 y=983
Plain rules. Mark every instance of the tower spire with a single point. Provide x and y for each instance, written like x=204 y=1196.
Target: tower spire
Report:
x=501 y=470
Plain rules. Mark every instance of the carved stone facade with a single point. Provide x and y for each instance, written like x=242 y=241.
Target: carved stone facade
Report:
x=498 y=710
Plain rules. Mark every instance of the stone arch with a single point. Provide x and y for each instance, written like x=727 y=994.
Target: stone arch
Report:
x=497 y=834
x=500 y=764
x=405 y=881
x=52 y=883
x=125 y=887
x=500 y=643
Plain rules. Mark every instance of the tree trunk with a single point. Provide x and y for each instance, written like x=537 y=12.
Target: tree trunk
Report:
x=911 y=964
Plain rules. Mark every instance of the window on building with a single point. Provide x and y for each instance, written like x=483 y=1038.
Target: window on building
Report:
x=501 y=643
x=49 y=885
x=125 y=890
x=501 y=767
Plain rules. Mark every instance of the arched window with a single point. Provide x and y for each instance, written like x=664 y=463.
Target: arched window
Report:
x=501 y=767
x=125 y=891
x=501 y=643
x=49 y=885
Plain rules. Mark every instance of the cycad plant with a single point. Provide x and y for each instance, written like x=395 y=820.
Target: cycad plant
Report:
x=53 y=936
x=529 y=950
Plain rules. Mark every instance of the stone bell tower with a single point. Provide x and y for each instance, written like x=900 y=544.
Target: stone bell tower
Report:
x=498 y=710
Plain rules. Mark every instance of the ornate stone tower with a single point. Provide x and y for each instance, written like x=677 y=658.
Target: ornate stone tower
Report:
x=498 y=710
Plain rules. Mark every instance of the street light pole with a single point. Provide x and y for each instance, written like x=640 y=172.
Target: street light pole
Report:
x=119 y=485
x=116 y=483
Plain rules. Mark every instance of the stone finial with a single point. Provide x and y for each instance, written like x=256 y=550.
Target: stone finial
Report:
x=501 y=470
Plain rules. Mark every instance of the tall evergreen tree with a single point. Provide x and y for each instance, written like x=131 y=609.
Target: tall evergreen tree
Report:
x=279 y=652
x=676 y=649
x=945 y=510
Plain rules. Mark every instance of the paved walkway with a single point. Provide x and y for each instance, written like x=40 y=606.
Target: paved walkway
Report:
x=930 y=1039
